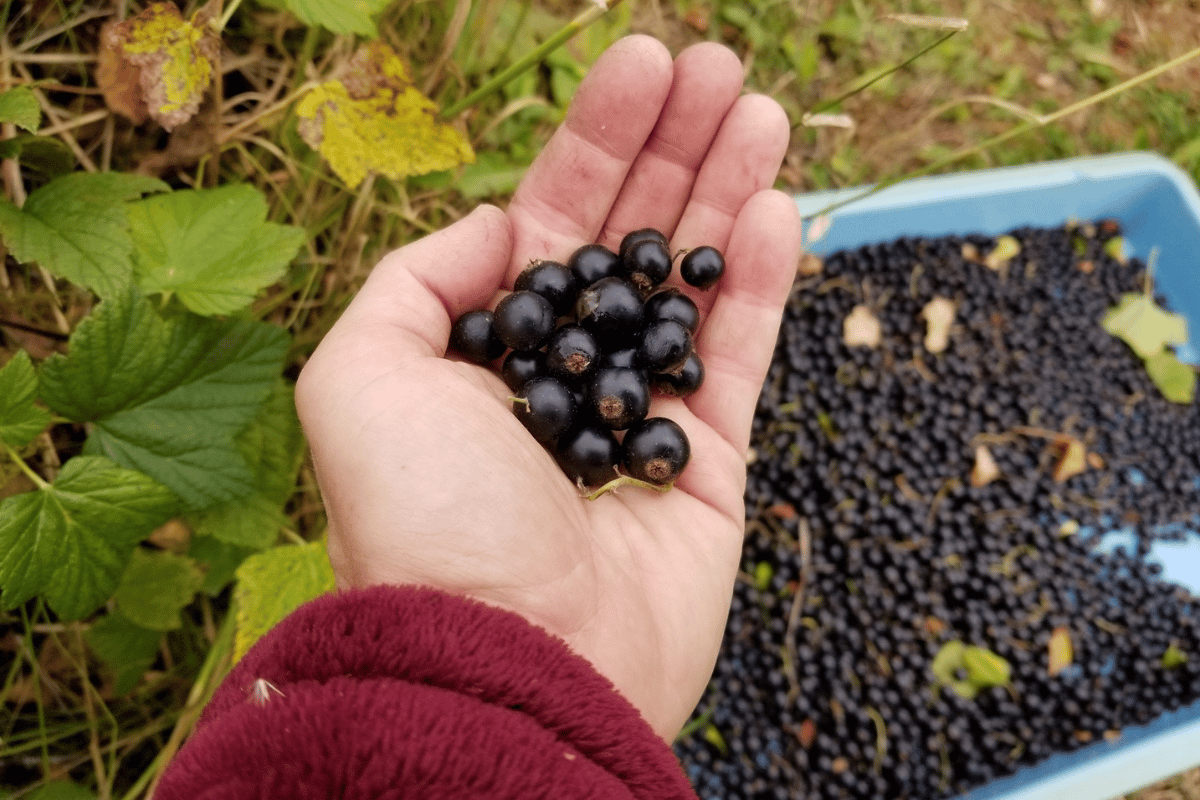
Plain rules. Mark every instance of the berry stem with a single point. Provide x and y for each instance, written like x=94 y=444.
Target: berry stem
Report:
x=628 y=480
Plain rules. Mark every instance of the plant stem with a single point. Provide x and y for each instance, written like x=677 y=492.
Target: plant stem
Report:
x=530 y=59
x=33 y=476
x=1018 y=130
x=233 y=6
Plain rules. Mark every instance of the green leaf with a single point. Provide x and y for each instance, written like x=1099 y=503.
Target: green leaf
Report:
x=155 y=586
x=273 y=584
x=338 y=16
x=76 y=227
x=168 y=397
x=19 y=106
x=62 y=790
x=273 y=447
x=20 y=419
x=126 y=649
x=219 y=559
x=948 y=661
x=1176 y=380
x=713 y=736
x=1143 y=325
x=491 y=175
x=70 y=542
x=1173 y=657
x=42 y=154
x=211 y=247
x=985 y=668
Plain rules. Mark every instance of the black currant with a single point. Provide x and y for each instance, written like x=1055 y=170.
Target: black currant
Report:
x=647 y=264
x=664 y=347
x=683 y=381
x=593 y=262
x=702 y=267
x=553 y=281
x=625 y=357
x=589 y=454
x=473 y=335
x=572 y=353
x=656 y=450
x=641 y=235
x=611 y=309
x=673 y=304
x=547 y=410
x=620 y=397
x=524 y=320
x=521 y=366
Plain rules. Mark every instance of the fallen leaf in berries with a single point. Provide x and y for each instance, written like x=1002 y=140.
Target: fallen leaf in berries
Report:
x=1143 y=325
x=1059 y=651
x=1176 y=380
x=1071 y=458
x=939 y=316
x=373 y=118
x=861 y=328
x=985 y=470
x=1005 y=250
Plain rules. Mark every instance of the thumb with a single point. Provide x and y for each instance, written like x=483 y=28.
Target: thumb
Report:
x=415 y=293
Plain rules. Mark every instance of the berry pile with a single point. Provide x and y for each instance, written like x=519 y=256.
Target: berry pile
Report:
x=589 y=342
x=876 y=542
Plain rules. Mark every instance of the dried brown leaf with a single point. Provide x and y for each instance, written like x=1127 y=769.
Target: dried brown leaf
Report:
x=938 y=314
x=1059 y=651
x=1070 y=457
x=985 y=470
x=861 y=328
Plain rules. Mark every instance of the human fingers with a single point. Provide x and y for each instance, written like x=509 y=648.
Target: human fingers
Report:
x=737 y=340
x=707 y=80
x=569 y=189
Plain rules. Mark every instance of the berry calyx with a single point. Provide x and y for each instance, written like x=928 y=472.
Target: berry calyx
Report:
x=620 y=397
x=572 y=353
x=647 y=264
x=656 y=450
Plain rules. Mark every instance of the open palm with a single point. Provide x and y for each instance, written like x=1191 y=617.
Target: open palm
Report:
x=428 y=477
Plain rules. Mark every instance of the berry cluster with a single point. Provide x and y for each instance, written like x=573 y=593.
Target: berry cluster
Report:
x=871 y=544
x=589 y=342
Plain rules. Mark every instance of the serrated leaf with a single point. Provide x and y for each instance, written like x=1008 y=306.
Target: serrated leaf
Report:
x=338 y=16
x=219 y=560
x=1176 y=380
x=168 y=397
x=985 y=668
x=1173 y=657
x=374 y=118
x=126 y=649
x=273 y=446
x=154 y=587
x=948 y=661
x=211 y=247
x=273 y=584
x=1144 y=325
x=171 y=60
x=62 y=790
x=1059 y=651
x=76 y=227
x=20 y=419
x=70 y=541
x=19 y=106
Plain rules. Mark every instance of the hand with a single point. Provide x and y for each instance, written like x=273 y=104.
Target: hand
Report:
x=427 y=476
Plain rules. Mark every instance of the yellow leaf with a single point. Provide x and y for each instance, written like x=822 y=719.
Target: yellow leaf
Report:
x=171 y=60
x=374 y=119
x=1061 y=654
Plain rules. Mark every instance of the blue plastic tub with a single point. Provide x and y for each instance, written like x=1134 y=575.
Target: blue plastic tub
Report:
x=1159 y=209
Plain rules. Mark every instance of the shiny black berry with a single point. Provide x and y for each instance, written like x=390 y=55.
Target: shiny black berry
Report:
x=702 y=267
x=547 y=410
x=625 y=357
x=656 y=450
x=647 y=264
x=682 y=382
x=589 y=454
x=553 y=281
x=664 y=347
x=474 y=337
x=611 y=309
x=572 y=353
x=593 y=262
x=524 y=320
x=673 y=304
x=620 y=397
x=641 y=235
x=521 y=366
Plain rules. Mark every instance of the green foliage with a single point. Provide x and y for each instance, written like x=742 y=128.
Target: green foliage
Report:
x=1149 y=330
x=338 y=16
x=20 y=107
x=155 y=586
x=63 y=790
x=20 y=419
x=126 y=649
x=211 y=247
x=967 y=668
x=168 y=397
x=46 y=156
x=70 y=541
x=76 y=226
x=273 y=584
x=219 y=560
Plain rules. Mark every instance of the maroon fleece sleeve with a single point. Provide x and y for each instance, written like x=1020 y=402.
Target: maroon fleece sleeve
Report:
x=405 y=692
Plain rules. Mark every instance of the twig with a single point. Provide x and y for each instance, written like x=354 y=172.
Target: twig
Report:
x=61 y=337
x=804 y=545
